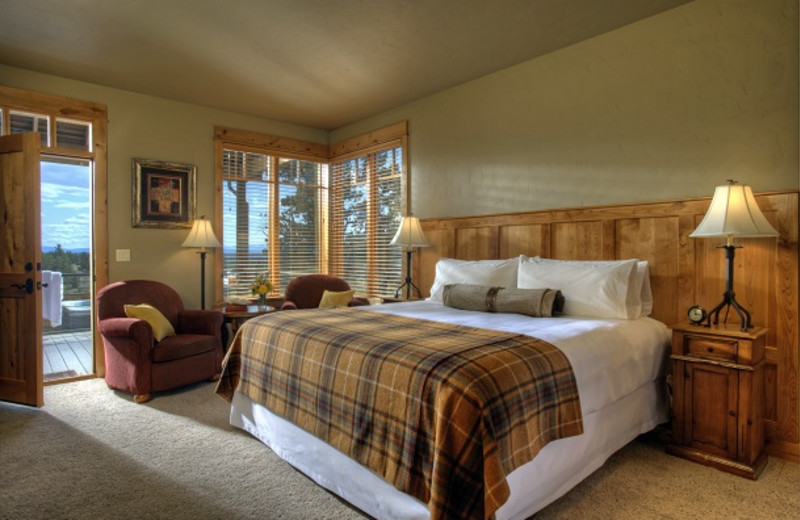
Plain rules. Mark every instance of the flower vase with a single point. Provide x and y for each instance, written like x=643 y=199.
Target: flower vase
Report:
x=262 y=300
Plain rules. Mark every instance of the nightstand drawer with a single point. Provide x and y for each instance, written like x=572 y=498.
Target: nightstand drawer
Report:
x=716 y=348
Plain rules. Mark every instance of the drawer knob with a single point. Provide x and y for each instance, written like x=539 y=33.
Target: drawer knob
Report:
x=732 y=413
x=711 y=349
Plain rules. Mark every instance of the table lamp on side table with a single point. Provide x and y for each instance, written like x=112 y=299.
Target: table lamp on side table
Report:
x=734 y=212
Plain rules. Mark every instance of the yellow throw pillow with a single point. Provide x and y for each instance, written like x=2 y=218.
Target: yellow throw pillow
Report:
x=160 y=324
x=332 y=299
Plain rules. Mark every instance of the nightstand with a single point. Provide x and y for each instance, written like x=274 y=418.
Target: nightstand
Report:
x=387 y=299
x=718 y=397
x=236 y=315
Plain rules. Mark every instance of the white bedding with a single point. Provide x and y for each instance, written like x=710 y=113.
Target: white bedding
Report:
x=618 y=366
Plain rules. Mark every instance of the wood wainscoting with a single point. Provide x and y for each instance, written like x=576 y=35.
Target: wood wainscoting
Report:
x=683 y=272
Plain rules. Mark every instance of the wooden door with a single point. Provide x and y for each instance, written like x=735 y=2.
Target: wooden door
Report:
x=20 y=274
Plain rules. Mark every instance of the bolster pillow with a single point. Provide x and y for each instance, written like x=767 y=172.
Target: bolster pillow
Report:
x=530 y=302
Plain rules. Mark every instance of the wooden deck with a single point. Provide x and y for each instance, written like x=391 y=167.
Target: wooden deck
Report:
x=67 y=354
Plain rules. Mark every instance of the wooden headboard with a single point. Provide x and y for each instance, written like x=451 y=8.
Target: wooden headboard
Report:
x=683 y=271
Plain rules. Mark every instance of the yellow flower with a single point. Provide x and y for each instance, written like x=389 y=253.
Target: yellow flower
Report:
x=261 y=285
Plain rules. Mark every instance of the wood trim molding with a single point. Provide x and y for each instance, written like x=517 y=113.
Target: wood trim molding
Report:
x=283 y=146
x=683 y=272
x=369 y=142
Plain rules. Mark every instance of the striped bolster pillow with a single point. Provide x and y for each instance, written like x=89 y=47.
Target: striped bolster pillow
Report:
x=530 y=302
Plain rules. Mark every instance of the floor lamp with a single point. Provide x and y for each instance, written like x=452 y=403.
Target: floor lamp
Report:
x=202 y=236
x=409 y=235
x=733 y=213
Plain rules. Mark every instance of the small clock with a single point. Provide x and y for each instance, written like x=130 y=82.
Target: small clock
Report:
x=697 y=314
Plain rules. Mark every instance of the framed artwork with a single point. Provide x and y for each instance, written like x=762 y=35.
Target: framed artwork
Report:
x=163 y=194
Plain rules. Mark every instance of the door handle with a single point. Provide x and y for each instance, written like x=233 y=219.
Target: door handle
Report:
x=27 y=286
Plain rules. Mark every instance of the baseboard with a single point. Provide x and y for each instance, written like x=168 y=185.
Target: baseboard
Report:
x=783 y=450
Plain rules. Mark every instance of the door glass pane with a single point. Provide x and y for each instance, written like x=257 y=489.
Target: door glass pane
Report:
x=66 y=267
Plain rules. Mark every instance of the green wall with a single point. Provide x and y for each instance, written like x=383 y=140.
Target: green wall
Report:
x=154 y=128
x=665 y=108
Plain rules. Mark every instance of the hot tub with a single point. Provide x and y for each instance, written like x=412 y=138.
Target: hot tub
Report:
x=76 y=314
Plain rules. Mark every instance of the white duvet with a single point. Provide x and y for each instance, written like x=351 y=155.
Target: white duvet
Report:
x=618 y=366
x=610 y=357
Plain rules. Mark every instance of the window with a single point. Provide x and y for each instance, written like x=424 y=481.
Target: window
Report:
x=73 y=135
x=366 y=209
x=70 y=134
x=273 y=215
x=21 y=122
x=291 y=208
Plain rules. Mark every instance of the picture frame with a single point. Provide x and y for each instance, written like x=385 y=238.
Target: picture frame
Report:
x=163 y=194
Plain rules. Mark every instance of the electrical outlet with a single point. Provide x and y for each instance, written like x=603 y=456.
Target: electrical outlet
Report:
x=123 y=255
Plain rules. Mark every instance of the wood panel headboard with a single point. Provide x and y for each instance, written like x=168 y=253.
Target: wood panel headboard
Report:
x=683 y=271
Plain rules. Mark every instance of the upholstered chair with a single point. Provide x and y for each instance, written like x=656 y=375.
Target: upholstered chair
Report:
x=139 y=364
x=305 y=292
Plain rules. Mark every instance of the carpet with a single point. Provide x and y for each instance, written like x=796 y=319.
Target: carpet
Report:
x=91 y=452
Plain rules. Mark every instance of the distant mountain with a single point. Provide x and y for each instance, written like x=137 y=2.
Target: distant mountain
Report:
x=50 y=249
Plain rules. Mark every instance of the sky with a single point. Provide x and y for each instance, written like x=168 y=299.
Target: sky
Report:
x=66 y=205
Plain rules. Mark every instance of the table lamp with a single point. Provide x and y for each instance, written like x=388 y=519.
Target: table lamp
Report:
x=733 y=213
x=409 y=235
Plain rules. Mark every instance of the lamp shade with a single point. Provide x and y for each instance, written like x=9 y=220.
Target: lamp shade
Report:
x=734 y=213
x=201 y=235
x=409 y=234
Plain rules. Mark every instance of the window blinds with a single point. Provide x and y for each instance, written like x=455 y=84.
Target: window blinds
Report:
x=272 y=217
x=293 y=207
x=366 y=194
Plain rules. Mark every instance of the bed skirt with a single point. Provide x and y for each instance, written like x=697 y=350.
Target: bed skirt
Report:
x=558 y=467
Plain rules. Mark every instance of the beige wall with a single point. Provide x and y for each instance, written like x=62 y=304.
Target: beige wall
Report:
x=664 y=108
x=154 y=128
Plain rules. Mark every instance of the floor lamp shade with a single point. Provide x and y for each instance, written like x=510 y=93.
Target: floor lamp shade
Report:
x=733 y=212
x=202 y=236
x=409 y=235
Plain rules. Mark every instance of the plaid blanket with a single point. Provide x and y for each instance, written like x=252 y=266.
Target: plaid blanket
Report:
x=443 y=412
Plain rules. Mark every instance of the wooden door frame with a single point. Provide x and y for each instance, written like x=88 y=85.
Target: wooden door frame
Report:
x=97 y=114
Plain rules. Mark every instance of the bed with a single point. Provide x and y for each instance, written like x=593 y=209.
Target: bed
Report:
x=617 y=357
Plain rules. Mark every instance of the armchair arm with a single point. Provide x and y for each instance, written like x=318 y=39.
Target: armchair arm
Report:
x=200 y=322
x=358 y=301
x=132 y=328
x=288 y=306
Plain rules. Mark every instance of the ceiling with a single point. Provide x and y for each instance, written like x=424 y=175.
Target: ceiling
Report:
x=317 y=63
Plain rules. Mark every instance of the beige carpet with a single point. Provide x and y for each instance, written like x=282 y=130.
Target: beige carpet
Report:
x=91 y=453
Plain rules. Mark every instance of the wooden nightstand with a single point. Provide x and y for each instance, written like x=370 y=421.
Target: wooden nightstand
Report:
x=235 y=315
x=388 y=299
x=718 y=397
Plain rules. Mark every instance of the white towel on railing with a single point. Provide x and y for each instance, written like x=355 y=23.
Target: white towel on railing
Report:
x=51 y=297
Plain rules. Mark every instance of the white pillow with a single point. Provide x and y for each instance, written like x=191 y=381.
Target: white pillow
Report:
x=497 y=273
x=601 y=289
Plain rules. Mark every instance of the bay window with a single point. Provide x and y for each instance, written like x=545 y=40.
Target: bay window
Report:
x=290 y=208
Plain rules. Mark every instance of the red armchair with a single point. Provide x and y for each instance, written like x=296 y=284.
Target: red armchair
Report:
x=305 y=292
x=135 y=362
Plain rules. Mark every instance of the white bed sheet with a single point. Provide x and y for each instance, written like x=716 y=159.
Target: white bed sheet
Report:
x=610 y=357
x=618 y=366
